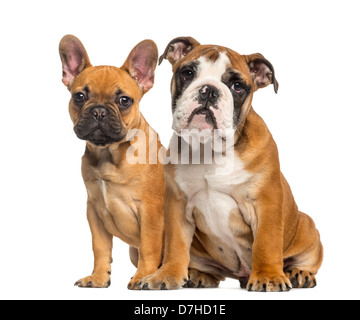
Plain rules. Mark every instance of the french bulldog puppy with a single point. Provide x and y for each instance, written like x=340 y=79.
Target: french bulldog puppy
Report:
x=125 y=198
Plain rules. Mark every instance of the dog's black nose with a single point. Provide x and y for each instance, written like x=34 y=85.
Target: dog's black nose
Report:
x=207 y=93
x=99 y=113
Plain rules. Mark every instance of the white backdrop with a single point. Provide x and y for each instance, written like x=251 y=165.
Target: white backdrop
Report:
x=45 y=242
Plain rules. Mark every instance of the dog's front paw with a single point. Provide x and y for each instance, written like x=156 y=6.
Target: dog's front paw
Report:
x=95 y=281
x=164 y=280
x=268 y=283
x=136 y=281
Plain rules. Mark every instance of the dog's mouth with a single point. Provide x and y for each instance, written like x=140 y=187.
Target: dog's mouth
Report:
x=99 y=134
x=202 y=118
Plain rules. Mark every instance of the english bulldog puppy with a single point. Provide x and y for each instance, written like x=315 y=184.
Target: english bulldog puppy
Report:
x=235 y=217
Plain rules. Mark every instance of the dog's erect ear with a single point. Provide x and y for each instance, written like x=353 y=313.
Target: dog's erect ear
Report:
x=73 y=57
x=261 y=71
x=141 y=64
x=178 y=48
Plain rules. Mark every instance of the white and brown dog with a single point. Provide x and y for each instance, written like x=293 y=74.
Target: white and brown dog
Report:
x=235 y=218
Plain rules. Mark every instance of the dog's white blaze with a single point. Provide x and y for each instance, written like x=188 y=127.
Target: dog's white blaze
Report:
x=211 y=69
x=210 y=194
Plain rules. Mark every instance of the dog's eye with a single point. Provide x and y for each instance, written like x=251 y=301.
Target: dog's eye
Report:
x=79 y=98
x=125 y=102
x=237 y=87
x=188 y=74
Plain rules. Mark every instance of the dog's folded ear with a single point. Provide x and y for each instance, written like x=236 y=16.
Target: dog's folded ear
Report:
x=178 y=48
x=141 y=64
x=73 y=57
x=261 y=71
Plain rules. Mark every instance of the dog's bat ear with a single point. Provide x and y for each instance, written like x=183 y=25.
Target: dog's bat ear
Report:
x=73 y=57
x=141 y=64
x=262 y=71
x=178 y=48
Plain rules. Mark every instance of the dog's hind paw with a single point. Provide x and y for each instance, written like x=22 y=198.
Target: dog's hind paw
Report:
x=199 y=279
x=301 y=279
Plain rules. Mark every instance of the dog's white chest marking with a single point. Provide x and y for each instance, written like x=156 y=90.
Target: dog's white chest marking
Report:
x=210 y=193
x=102 y=186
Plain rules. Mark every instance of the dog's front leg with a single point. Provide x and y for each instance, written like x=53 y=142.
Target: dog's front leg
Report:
x=102 y=247
x=151 y=242
x=267 y=252
x=178 y=238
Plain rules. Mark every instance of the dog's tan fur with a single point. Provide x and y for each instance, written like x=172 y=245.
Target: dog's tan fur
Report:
x=124 y=200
